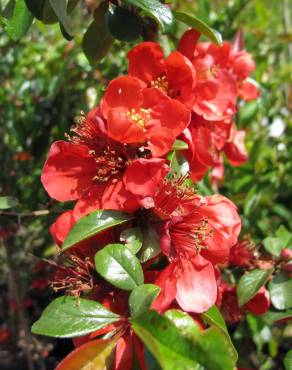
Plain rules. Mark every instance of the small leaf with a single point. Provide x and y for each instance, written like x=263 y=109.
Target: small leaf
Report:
x=133 y=238
x=288 y=360
x=273 y=245
x=178 y=163
x=120 y=267
x=160 y=13
x=281 y=291
x=93 y=224
x=214 y=317
x=142 y=297
x=97 y=39
x=97 y=354
x=151 y=244
x=250 y=283
x=123 y=24
x=20 y=21
x=8 y=202
x=60 y=9
x=200 y=26
x=284 y=235
x=66 y=318
x=180 y=145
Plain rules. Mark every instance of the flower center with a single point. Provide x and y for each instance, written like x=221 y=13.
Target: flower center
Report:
x=109 y=164
x=139 y=117
x=160 y=83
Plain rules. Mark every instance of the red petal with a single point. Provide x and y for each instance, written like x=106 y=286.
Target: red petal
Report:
x=181 y=76
x=124 y=91
x=260 y=303
x=61 y=227
x=160 y=142
x=248 y=91
x=124 y=353
x=235 y=147
x=122 y=128
x=68 y=171
x=167 y=282
x=143 y=175
x=106 y=196
x=146 y=61
x=196 y=285
x=187 y=43
x=226 y=224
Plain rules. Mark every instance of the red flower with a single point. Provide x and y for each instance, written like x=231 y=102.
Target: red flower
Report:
x=242 y=253
x=260 y=303
x=137 y=115
x=197 y=234
x=174 y=75
x=91 y=169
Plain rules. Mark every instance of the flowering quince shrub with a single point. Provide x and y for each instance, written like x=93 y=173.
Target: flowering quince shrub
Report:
x=146 y=264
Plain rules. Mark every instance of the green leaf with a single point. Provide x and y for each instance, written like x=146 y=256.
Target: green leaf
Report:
x=60 y=9
x=97 y=39
x=8 y=202
x=42 y=10
x=142 y=297
x=250 y=283
x=96 y=354
x=177 y=342
x=284 y=235
x=66 y=317
x=20 y=21
x=93 y=224
x=151 y=244
x=179 y=145
x=288 y=360
x=271 y=317
x=123 y=24
x=120 y=267
x=213 y=317
x=200 y=26
x=133 y=238
x=160 y=13
x=273 y=245
x=281 y=291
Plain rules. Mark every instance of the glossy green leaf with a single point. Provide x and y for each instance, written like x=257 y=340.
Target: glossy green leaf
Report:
x=273 y=245
x=250 y=283
x=179 y=145
x=66 y=317
x=200 y=26
x=19 y=23
x=133 y=239
x=60 y=9
x=213 y=317
x=97 y=39
x=120 y=267
x=142 y=297
x=93 y=224
x=288 y=360
x=177 y=342
x=151 y=244
x=285 y=236
x=123 y=24
x=96 y=354
x=160 y=13
x=281 y=291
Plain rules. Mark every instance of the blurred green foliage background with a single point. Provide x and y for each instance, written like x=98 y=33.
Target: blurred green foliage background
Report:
x=45 y=81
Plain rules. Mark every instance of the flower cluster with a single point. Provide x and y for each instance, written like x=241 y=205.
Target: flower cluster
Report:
x=117 y=158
